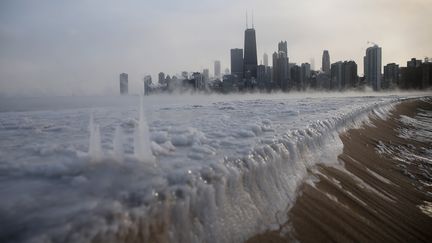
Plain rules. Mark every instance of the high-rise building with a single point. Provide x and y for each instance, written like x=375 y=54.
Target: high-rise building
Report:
x=261 y=76
x=281 y=70
x=124 y=84
x=326 y=62
x=147 y=83
x=265 y=59
x=414 y=63
x=237 y=62
x=168 y=81
x=274 y=70
x=229 y=83
x=417 y=75
x=426 y=74
x=391 y=75
x=198 y=81
x=185 y=75
x=305 y=74
x=217 y=69
x=336 y=76
x=250 y=54
x=206 y=75
x=283 y=47
x=295 y=71
x=343 y=75
x=161 y=78
x=349 y=75
x=373 y=67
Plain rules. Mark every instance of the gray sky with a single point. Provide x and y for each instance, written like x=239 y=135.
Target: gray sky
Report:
x=53 y=47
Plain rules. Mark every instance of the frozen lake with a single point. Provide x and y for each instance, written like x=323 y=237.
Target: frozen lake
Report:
x=224 y=167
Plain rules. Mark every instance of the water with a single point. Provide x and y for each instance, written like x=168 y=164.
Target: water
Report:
x=118 y=151
x=215 y=169
x=142 y=148
x=95 y=147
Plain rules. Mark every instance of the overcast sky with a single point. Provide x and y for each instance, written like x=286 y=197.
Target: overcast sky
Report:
x=53 y=47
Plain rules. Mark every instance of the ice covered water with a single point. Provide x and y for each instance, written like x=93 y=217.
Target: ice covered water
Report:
x=118 y=152
x=227 y=166
x=142 y=148
x=95 y=148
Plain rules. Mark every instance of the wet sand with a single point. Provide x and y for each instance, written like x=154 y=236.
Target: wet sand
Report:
x=371 y=198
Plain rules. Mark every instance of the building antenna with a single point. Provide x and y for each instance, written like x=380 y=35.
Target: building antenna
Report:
x=252 y=21
x=247 y=20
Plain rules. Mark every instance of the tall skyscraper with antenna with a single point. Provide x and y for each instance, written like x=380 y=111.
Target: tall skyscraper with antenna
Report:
x=250 y=52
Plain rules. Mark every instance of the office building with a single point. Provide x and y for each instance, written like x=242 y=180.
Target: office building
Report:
x=283 y=47
x=336 y=76
x=217 y=69
x=349 y=75
x=185 y=75
x=343 y=75
x=237 y=62
x=147 y=83
x=262 y=77
x=391 y=75
x=124 y=89
x=373 y=67
x=326 y=62
x=295 y=83
x=161 y=78
x=250 y=54
x=414 y=63
x=305 y=74
x=280 y=70
x=206 y=75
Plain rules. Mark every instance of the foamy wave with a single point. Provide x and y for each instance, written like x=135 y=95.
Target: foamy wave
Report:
x=217 y=202
x=205 y=185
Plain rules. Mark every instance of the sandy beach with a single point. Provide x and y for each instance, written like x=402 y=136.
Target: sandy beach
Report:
x=370 y=197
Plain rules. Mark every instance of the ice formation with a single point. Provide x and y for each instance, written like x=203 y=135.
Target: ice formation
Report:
x=222 y=175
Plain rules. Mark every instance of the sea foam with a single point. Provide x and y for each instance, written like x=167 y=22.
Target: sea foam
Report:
x=210 y=184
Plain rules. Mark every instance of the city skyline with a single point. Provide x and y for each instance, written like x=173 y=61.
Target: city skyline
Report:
x=47 y=50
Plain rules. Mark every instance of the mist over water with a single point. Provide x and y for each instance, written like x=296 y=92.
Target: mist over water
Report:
x=215 y=168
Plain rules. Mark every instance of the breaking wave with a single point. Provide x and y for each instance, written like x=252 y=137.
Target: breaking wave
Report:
x=122 y=199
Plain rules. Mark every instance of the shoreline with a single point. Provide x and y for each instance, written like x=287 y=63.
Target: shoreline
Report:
x=369 y=198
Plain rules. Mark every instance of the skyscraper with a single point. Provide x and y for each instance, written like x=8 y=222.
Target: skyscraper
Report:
x=283 y=46
x=206 y=75
x=147 y=83
x=336 y=76
x=237 y=62
x=372 y=67
x=275 y=66
x=344 y=75
x=124 y=84
x=250 y=54
x=217 y=69
x=349 y=75
x=305 y=74
x=265 y=58
x=161 y=78
x=281 y=70
x=261 y=76
x=326 y=62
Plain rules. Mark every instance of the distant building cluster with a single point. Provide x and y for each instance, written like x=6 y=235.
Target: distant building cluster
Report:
x=246 y=75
